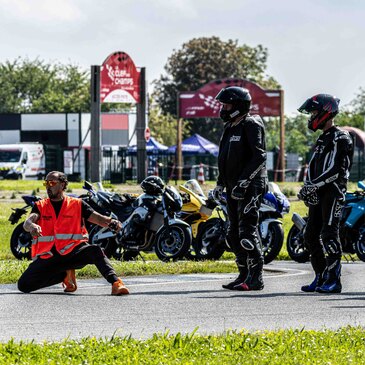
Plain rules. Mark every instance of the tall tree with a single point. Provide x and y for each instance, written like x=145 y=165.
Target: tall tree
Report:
x=358 y=103
x=202 y=60
x=34 y=86
x=163 y=126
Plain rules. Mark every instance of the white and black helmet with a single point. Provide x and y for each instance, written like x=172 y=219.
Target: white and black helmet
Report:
x=152 y=185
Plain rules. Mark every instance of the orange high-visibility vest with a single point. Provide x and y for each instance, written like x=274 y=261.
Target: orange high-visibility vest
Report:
x=64 y=232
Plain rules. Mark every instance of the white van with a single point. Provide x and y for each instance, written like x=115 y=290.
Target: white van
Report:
x=22 y=161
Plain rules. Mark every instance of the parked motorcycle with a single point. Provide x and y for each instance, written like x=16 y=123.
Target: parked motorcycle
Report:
x=148 y=222
x=196 y=209
x=352 y=228
x=210 y=242
x=20 y=240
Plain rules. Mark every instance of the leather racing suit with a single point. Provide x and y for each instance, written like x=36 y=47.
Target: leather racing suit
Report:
x=328 y=170
x=242 y=156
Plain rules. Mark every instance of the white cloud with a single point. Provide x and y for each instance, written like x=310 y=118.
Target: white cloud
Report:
x=45 y=11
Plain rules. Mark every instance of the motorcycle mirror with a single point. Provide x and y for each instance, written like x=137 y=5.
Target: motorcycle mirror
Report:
x=87 y=185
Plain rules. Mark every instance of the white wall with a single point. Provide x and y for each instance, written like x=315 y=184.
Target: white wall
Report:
x=8 y=137
x=43 y=122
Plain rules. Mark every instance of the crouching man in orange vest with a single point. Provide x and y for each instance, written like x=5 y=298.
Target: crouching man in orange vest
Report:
x=60 y=240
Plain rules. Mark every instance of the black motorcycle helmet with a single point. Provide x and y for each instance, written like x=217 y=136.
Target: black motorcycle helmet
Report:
x=323 y=107
x=240 y=99
x=152 y=185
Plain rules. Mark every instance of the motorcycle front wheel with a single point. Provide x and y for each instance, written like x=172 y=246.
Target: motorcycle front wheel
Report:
x=360 y=245
x=273 y=242
x=21 y=243
x=173 y=242
x=209 y=243
x=295 y=245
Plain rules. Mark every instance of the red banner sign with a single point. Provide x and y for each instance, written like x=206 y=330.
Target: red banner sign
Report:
x=119 y=80
x=202 y=104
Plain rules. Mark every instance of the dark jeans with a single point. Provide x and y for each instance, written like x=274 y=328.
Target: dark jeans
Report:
x=42 y=273
x=243 y=236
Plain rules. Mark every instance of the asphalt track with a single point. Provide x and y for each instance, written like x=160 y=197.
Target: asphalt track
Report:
x=182 y=303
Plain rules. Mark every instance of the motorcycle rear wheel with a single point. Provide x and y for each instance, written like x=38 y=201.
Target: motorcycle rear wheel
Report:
x=209 y=243
x=295 y=245
x=21 y=243
x=173 y=242
x=273 y=242
x=108 y=245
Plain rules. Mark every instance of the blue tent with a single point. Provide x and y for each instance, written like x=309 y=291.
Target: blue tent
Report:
x=196 y=144
x=153 y=147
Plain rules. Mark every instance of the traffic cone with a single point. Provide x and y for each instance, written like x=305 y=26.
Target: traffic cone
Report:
x=201 y=178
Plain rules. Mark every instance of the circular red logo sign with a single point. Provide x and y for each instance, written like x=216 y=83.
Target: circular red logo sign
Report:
x=147 y=134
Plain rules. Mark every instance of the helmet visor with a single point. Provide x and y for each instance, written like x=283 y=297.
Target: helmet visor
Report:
x=308 y=106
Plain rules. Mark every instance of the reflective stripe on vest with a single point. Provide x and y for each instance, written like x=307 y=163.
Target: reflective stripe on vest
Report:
x=45 y=239
x=42 y=254
x=63 y=250
x=70 y=236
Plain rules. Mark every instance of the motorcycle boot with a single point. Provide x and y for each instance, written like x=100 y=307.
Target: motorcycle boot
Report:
x=317 y=282
x=332 y=283
x=243 y=274
x=254 y=280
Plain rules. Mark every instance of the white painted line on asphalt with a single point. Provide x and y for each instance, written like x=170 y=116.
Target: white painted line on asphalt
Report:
x=285 y=273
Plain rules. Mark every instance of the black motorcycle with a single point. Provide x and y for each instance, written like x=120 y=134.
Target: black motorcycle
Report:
x=20 y=240
x=148 y=222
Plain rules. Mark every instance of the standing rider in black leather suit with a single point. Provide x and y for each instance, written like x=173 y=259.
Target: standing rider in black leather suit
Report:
x=324 y=193
x=242 y=172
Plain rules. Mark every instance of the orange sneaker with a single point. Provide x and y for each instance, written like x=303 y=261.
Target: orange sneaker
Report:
x=69 y=282
x=119 y=288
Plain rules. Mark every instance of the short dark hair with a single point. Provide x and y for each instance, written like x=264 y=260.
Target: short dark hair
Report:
x=62 y=177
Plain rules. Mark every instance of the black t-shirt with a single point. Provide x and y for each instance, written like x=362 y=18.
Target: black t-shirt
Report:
x=86 y=210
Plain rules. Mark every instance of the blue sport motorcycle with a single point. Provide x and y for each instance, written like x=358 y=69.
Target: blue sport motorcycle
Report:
x=352 y=228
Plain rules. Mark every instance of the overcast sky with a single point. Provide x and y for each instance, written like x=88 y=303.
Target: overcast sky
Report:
x=314 y=45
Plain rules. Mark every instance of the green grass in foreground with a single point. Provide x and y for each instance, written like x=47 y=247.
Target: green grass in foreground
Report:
x=343 y=346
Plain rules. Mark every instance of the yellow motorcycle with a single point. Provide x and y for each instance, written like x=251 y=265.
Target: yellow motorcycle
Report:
x=196 y=210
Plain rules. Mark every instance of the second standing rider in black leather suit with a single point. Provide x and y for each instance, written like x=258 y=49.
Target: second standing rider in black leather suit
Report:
x=242 y=172
x=324 y=192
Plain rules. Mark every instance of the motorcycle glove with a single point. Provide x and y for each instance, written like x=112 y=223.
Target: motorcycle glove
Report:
x=217 y=193
x=239 y=191
x=309 y=194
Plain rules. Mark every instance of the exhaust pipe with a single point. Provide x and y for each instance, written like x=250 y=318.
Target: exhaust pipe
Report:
x=298 y=221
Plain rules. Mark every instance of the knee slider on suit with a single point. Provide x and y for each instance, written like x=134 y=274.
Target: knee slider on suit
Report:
x=247 y=244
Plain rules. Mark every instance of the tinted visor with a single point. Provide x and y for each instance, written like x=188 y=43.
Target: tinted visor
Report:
x=308 y=106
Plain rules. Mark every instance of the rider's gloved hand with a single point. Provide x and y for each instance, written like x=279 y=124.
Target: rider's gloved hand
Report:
x=217 y=192
x=309 y=194
x=239 y=191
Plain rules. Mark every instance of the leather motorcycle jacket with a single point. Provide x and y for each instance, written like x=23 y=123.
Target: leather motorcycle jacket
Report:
x=331 y=161
x=242 y=152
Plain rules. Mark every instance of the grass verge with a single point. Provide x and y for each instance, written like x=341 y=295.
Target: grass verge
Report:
x=343 y=346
